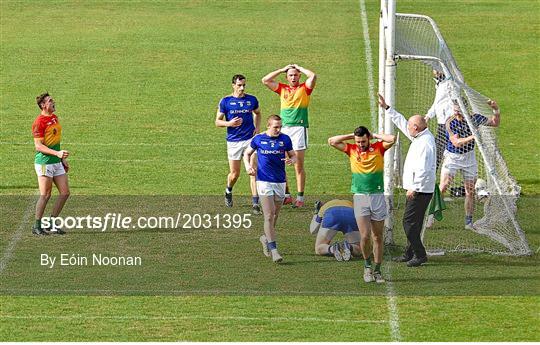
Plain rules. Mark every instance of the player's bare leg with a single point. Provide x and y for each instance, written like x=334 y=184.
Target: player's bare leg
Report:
x=446 y=181
x=469 y=202
x=45 y=188
x=234 y=172
x=356 y=250
x=288 y=199
x=269 y=213
x=378 y=248
x=300 y=177
x=323 y=246
x=278 y=203
x=62 y=184
x=253 y=185
x=364 y=225
x=270 y=210
x=232 y=177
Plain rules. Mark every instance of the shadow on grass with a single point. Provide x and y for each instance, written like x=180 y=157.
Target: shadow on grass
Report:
x=478 y=280
x=528 y=261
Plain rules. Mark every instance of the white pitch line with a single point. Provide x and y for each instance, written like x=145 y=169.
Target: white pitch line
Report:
x=10 y=249
x=369 y=65
x=187 y=162
x=391 y=301
x=183 y=292
x=187 y=317
x=216 y=143
x=390 y=293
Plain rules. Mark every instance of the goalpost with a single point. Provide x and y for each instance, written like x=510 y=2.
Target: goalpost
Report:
x=411 y=48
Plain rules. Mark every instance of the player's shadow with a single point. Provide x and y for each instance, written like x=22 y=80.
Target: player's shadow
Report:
x=314 y=259
x=484 y=260
x=453 y=280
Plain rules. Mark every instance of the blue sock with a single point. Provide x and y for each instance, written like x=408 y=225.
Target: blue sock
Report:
x=468 y=219
x=228 y=190
x=272 y=245
x=255 y=200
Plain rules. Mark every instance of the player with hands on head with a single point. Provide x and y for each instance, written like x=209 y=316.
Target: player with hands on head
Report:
x=367 y=167
x=295 y=98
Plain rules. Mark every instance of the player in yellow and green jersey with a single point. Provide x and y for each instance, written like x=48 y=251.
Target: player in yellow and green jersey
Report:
x=50 y=163
x=367 y=166
x=294 y=112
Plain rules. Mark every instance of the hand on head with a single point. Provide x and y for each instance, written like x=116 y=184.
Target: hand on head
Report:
x=286 y=68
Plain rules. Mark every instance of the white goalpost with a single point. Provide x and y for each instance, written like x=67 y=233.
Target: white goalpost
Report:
x=411 y=49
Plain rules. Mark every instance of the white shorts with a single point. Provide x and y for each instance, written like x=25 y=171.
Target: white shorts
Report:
x=373 y=205
x=328 y=234
x=466 y=162
x=271 y=189
x=235 y=149
x=298 y=135
x=50 y=170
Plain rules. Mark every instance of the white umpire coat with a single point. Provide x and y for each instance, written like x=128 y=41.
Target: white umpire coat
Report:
x=419 y=170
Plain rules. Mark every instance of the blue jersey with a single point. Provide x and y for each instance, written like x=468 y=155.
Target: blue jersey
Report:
x=461 y=128
x=239 y=107
x=270 y=156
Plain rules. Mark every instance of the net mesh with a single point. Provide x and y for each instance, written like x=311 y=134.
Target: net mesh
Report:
x=481 y=185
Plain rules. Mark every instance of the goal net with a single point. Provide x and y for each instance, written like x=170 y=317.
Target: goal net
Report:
x=428 y=81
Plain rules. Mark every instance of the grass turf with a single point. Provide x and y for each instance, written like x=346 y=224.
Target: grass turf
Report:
x=137 y=87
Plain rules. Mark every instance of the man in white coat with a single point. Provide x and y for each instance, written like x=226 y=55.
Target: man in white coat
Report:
x=419 y=173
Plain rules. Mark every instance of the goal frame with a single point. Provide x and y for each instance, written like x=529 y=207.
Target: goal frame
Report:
x=388 y=60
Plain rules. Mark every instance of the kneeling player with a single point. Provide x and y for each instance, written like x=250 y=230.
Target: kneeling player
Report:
x=331 y=217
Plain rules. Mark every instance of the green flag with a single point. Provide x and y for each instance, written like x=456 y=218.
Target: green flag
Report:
x=437 y=205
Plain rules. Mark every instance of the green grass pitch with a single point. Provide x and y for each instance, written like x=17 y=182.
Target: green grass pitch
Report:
x=137 y=86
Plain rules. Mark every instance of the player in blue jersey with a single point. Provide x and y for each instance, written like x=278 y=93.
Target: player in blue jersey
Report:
x=460 y=155
x=241 y=115
x=333 y=217
x=274 y=149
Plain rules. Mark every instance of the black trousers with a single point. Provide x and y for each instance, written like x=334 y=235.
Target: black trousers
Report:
x=413 y=220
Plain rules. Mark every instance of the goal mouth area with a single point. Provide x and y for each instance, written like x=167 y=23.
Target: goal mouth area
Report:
x=417 y=49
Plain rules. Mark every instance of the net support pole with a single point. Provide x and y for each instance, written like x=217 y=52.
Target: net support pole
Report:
x=382 y=58
x=389 y=95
